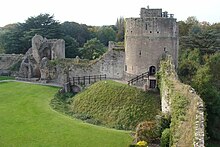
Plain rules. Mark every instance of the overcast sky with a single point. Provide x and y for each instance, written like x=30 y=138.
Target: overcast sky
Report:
x=105 y=12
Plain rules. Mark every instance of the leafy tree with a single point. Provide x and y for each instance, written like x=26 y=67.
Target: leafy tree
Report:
x=17 y=37
x=106 y=34
x=78 y=31
x=92 y=49
x=10 y=39
x=72 y=47
x=206 y=83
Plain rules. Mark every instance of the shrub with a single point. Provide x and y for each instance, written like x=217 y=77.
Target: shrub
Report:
x=165 y=138
x=163 y=121
x=147 y=131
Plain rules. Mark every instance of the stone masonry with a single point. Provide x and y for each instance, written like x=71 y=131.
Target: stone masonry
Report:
x=147 y=38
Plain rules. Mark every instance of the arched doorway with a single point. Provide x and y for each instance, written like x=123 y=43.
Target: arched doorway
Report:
x=152 y=70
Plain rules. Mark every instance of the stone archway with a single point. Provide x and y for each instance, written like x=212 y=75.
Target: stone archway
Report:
x=152 y=70
x=76 y=88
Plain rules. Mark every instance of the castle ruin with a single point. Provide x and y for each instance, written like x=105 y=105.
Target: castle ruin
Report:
x=42 y=49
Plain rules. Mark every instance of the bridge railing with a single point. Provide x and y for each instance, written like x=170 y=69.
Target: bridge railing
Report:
x=138 y=78
x=87 y=79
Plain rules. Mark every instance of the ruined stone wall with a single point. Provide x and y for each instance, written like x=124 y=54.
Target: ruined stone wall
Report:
x=147 y=39
x=10 y=63
x=184 y=105
x=111 y=64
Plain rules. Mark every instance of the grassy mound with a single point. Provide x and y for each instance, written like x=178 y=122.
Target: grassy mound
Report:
x=116 y=105
x=27 y=120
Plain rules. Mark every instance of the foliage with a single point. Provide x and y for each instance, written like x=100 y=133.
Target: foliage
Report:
x=201 y=41
x=71 y=47
x=28 y=120
x=120 y=25
x=92 y=49
x=60 y=102
x=16 y=38
x=206 y=82
x=147 y=131
x=106 y=34
x=183 y=105
x=116 y=105
x=79 y=32
x=165 y=138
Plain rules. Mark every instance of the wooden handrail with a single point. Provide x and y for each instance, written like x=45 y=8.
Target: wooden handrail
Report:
x=138 y=77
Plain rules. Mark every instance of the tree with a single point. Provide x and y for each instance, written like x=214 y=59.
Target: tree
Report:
x=72 y=47
x=92 y=49
x=78 y=31
x=10 y=39
x=120 y=29
x=106 y=34
x=17 y=37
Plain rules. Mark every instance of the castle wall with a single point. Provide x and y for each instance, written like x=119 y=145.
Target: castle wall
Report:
x=111 y=64
x=9 y=63
x=185 y=107
x=147 y=39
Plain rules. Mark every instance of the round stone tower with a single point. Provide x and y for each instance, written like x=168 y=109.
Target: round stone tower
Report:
x=147 y=38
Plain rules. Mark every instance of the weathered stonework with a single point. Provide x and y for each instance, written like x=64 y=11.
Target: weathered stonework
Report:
x=9 y=64
x=110 y=64
x=35 y=60
x=147 y=38
x=188 y=130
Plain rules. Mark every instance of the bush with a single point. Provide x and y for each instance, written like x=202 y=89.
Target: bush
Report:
x=165 y=138
x=147 y=131
x=163 y=121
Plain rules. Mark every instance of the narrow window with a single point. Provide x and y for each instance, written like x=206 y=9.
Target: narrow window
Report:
x=150 y=31
x=145 y=26
x=139 y=53
x=125 y=67
x=164 y=49
x=158 y=32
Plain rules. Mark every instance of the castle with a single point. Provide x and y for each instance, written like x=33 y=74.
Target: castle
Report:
x=147 y=39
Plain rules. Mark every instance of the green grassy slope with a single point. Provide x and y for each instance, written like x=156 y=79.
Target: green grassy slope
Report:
x=116 y=105
x=6 y=78
x=27 y=120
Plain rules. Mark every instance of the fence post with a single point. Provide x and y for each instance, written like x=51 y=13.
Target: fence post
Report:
x=84 y=80
x=78 y=80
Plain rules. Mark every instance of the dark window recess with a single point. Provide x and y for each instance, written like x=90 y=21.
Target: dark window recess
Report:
x=150 y=31
x=125 y=67
x=152 y=84
x=164 y=49
x=152 y=70
x=140 y=53
x=145 y=26
x=158 y=32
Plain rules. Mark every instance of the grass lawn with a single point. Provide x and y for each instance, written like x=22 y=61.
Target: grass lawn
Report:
x=6 y=78
x=27 y=120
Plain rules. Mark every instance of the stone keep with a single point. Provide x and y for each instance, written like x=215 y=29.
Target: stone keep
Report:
x=147 y=38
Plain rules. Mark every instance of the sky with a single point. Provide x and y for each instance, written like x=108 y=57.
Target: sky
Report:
x=104 y=12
